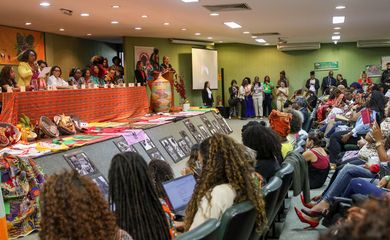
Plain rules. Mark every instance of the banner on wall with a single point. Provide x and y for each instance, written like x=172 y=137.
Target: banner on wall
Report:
x=385 y=60
x=323 y=66
x=373 y=70
x=14 y=41
x=142 y=54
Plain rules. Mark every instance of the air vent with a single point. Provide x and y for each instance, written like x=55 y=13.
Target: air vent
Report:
x=373 y=43
x=266 y=34
x=298 y=46
x=227 y=7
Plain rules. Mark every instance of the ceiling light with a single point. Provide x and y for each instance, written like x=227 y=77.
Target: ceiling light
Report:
x=144 y=16
x=89 y=34
x=246 y=32
x=44 y=4
x=220 y=41
x=84 y=14
x=232 y=24
x=336 y=37
x=138 y=28
x=335 y=42
x=115 y=6
x=61 y=29
x=27 y=23
x=337 y=28
x=254 y=37
x=260 y=40
x=210 y=38
x=338 y=19
x=266 y=44
x=340 y=7
x=184 y=29
x=336 y=33
x=114 y=22
x=166 y=24
x=214 y=14
x=190 y=1
x=197 y=34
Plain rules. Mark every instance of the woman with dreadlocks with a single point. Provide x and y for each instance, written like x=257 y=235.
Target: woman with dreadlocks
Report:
x=73 y=207
x=134 y=200
x=227 y=178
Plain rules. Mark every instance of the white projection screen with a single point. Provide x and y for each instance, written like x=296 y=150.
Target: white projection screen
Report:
x=204 y=68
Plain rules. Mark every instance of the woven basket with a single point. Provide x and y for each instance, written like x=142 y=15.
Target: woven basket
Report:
x=64 y=130
x=48 y=127
x=17 y=134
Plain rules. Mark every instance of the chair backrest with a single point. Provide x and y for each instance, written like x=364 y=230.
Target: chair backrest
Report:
x=286 y=174
x=206 y=231
x=237 y=222
x=271 y=194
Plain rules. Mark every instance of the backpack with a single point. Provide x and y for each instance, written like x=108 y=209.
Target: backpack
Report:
x=21 y=181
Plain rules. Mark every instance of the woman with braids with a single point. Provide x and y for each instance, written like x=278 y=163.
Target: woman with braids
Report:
x=227 y=178
x=72 y=207
x=160 y=172
x=134 y=200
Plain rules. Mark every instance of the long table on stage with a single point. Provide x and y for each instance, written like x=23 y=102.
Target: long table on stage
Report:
x=100 y=104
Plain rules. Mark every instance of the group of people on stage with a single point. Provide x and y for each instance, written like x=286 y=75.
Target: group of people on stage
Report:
x=249 y=100
x=35 y=75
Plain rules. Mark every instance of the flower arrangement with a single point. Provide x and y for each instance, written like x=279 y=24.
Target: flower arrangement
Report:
x=181 y=88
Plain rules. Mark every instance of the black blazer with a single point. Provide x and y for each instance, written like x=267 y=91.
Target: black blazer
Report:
x=206 y=100
x=316 y=84
x=325 y=83
x=140 y=77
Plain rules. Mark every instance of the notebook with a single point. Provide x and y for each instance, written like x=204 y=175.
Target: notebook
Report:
x=179 y=192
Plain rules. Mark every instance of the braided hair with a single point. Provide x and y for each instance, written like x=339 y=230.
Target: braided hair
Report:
x=225 y=161
x=133 y=199
x=160 y=171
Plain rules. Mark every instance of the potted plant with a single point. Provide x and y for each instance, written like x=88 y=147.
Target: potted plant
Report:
x=181 y=90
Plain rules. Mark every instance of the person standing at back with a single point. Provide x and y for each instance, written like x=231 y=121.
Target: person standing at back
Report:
x=117 y=65
x=313 y=84
x=207 y=95
x=282 y=78
x=281 y=96
x=328 y=81
x=250 y=111
x=385 y=79
x=241 y=95
x=140 y=73
x=258 y=97
x=234 y=101
x=267 y=103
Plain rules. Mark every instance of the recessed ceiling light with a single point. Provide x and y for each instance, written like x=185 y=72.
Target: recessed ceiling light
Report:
x=338 y=19
x=89 y=34
x=336 y=37
x=340 y=7
x=254 y=37
x=214 y=14
x=210 y=38
x=232 y=24
x=84 y=14
x=144 y=16
x=337 y=28
x=138 y=28
x=190 y=1
x=246 y=32
x=115 y=6
x=335 y=42
x=266 y=44
x=114 y=22
x=44 y=4
x=184 y=29
x=61 y=29
x=197 y=34
x=27 y=23
x=220 y=41
x=260 y=40
x=166 y=24
x=336 y=33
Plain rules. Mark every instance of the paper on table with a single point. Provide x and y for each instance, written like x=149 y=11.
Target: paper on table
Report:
x=44 y=71
x=134 y=136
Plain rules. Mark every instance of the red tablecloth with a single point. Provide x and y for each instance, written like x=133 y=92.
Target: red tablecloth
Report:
x=106 y=104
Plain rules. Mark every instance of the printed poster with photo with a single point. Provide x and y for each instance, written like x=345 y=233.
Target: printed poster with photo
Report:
x=80 y=162
x=142 y=54
x=203 y=131
x=147 y=144
x=222 y=122
x=123 y=146
x=184 y=146
x=184 y=135
x=217 y=126
x=133 y=136
x=173 y=149
x=102 y=184
x=208 y=124
x=155 y=154
x=195 y=133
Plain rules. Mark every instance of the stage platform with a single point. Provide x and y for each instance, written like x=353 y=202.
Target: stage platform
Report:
x=101 y=153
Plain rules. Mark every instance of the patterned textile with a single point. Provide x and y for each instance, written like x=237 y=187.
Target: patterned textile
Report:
x=170 y=218
x=21 y=181
x=280 y=122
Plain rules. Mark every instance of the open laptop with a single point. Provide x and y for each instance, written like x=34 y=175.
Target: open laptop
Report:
x=179 y=192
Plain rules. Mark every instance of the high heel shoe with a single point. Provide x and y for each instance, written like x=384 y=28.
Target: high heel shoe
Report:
x=307 y=205
x=314 y=214
x=313 y=224
x=316 y=198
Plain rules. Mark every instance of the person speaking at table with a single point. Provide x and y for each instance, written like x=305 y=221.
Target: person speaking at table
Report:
x=166 y=66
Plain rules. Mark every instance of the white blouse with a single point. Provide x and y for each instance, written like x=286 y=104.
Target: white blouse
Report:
x=57 y=82
x=222 y=197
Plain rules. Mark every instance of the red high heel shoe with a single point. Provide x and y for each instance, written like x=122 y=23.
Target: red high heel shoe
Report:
x=313 y=224
x=314 y=214
x=307 y=205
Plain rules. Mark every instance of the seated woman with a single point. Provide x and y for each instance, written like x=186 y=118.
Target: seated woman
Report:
x=110 y=78
x=207 y=95
x=72 y=207
x=365 y=187
x=96 y=72
x=318 y=159
x=227 y=178
x=75 y=77
x=86 y=78
x=134 y=200
x=7 y=79
x=267 y=146
x=55 y=79
x=296 y=131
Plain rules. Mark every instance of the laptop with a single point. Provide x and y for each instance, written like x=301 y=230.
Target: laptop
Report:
x=179 y=192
